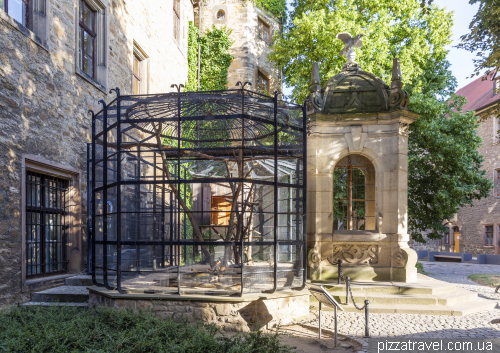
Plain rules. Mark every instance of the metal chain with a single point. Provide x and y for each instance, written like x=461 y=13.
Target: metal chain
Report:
x=350 y=291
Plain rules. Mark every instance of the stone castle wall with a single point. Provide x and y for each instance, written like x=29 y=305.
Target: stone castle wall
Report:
x=249 y=51
x=44 y=102
x=471 y=220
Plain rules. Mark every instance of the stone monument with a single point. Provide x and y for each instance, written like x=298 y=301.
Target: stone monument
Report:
x=357 y=174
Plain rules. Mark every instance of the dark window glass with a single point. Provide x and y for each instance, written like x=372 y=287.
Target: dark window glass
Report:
x=86 y=39
x=137 y=75
x=262 y=84
x=489 y=235
x=221 y=15
x=446 y=238
x=45 y=225
x=17 y=9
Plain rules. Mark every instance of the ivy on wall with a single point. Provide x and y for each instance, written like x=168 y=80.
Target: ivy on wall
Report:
x=276 y=7
x=215 y=58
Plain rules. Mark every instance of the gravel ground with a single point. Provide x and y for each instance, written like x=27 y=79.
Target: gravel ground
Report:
x=477 y=325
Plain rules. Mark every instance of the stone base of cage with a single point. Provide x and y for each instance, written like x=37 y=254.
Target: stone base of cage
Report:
x=249 y=312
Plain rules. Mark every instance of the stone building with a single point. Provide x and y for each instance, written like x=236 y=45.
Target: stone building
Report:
x=476 y=229
x=252 y=35
x=58 y=58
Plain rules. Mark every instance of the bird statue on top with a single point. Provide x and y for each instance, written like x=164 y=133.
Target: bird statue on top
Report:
x=348 y=51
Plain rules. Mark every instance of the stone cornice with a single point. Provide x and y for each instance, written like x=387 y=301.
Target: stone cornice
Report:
x=402 y=115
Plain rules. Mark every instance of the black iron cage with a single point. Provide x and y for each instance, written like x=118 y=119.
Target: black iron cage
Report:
x=198 y=193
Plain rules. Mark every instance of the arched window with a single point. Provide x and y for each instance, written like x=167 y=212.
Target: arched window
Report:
x=354 y=194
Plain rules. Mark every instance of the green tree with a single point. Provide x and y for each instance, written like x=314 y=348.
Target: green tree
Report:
x=484 y=36
x=215 y=58
x=444 y=164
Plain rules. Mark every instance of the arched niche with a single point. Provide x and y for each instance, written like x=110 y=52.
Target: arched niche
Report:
x=354 y=194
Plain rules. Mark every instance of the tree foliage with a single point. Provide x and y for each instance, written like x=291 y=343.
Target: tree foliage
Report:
x=443 y=159
x=215 y=58
x=276 y=7
x=484 y=36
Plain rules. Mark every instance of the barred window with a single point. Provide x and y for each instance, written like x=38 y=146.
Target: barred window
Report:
x=45 y=225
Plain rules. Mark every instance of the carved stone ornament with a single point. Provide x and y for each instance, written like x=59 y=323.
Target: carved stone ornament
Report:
x=400 y=259
x=404 y=129
x=354 y=254
x=313 y=259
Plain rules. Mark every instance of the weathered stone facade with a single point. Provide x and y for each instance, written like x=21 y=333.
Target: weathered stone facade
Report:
x=249 y=50
x=44 y=107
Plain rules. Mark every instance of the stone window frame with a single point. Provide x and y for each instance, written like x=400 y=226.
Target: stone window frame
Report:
x=495 y=235
x=496 y=182
x=74 y=233
x=261 y=20
x=100 y=79
x=215 y=11
x=39 y=22
x=177 y=19
x=496 y=129
x=139 y=52
x=260 y=72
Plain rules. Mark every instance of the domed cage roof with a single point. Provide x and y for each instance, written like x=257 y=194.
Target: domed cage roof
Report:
x=355 y=91
x=198 y=192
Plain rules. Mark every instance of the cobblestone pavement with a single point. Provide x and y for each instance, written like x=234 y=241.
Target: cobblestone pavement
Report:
x=426 y=326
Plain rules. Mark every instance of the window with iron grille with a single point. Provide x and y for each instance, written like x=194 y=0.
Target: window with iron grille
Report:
x=177 y=21
x=45 y=225
x=86 y=39
x=488 y=238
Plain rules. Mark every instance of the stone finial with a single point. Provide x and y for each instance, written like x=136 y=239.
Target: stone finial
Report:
x=315 y=80
x=348 y=51
x=315 y=88
x=398 y=98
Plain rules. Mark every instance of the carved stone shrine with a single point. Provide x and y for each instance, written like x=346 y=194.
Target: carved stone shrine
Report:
x=357 y=168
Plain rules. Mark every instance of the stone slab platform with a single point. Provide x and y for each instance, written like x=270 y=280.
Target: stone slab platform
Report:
x=244 y=313
x=426 y=297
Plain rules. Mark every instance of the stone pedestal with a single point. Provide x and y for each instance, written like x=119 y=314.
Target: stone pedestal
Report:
x=356 y=118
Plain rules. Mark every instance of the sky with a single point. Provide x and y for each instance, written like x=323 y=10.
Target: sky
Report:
x=462 y=65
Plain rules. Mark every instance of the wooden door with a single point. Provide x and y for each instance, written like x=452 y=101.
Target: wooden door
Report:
x=456 y=239
x=221 y=210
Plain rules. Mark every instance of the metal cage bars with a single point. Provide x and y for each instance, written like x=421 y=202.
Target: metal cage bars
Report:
x=181 y=244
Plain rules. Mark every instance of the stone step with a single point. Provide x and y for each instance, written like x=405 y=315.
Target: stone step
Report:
x=425 y=285
x=458 y=296
x=63 y=294
x=78 y=305
x=459 y=309
x=79 y=280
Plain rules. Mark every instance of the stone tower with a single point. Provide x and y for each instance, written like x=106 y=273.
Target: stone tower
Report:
x=357 y=176
x=252 y=33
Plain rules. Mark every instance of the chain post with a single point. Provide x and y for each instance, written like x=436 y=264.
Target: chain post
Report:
x=339 y=271
x=367 y=312
x=347 y=289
